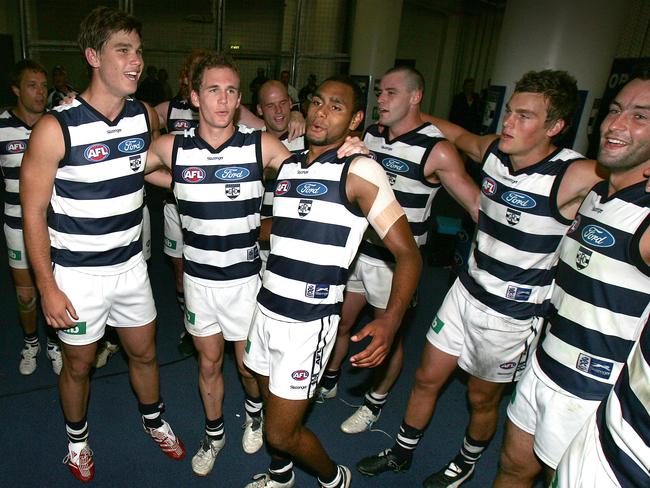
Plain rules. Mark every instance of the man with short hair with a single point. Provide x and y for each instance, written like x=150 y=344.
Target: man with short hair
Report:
x=489 y=320
x=29 y=85
x=600 y=293
x=321 y=208
x=85 y=161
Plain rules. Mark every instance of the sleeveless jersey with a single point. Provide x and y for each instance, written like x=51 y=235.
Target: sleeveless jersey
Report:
x=601 y=289
x=315 y=235
x=95 y=221
x=403 y=159
x=624 y=419
x=181 y=119
x=296 y=146
x=515 y=252
x=14 y=134
x=219 y=194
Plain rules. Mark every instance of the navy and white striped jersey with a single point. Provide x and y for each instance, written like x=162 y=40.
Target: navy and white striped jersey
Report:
x=403 y=159
x=315 y=235
x=623 y=421
x=515 y=252
x=296 y=146
x=601 y=289
x=181 y=117
x=219 y=193
x=14 y=135
x=95 y=223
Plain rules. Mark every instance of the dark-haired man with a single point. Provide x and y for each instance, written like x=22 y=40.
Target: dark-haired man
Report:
x=86 y=162
x=489 y=320
x=321 y=208
x=29 y=85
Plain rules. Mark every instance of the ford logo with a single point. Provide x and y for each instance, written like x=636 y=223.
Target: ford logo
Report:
x=96 y=152
x=131 y=145
x=15 y=147
x=519 y=200
x=311 y=189
x=597 y=236
x=193 y=174
x=395 y=165
x=232 y=173
x=300 y=375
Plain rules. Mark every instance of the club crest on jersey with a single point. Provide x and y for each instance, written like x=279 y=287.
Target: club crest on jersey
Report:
x=300 y=375
x=193 y=174
x=594 y=366
x=135 y=162
x=97 y=152
x=233 y=190
x=518 y=293
x=317 y=290
x=252 y=253
x=574 y=225
x=396 y=165
x=131 y=145
x=597 y=236
x=518 y=200
x=513 y=216
x=182 y=124
x=489 y=186
x=304 y=207
x=582 y=257
x=282 y=187
x=311 y=189
x=15 y=147
x=232 y=173
x=392 y=178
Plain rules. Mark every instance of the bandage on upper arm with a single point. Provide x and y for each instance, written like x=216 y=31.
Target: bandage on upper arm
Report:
x=385 y=209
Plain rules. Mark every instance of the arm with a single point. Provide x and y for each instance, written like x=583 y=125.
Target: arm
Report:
x=368 y=186
x=247 y=118
x=445 y=164
x=578 y=179
x=471 y=144
x=296 y=125
x=273 y=152
x=161 y=110
x=38 y=170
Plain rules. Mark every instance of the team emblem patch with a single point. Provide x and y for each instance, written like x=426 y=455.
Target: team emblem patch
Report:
x=96 y=152
x=489 y=186
x=594 y=366
x=282 y=187
x=304 y=207
x=252 y=254
x=317 y=290
x=513 y=216
x=392 y=178
x=518 y=293
x=582 y=257
x=135 y=162
x=233 y=190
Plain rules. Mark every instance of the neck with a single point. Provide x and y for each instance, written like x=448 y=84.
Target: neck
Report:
x=619 y=180
x=315 y=151
x=411 y=121
x=106 y=103
x=216 y=136
x=531 y=157
x=29 y=118
x=275 y=133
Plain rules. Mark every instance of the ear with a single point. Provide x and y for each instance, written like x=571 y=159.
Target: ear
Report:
x=555 y=128
x=239 y=100
x=92 y=57
x=194 y=98
x=15 y=90
x=416 y=97
x=259 y=110
x=356 y=120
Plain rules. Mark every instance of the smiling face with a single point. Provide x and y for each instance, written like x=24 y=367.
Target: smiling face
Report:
x=274 y=107
x=218 y=97
x=625 y=132
x=32 y=92
x=331 y=114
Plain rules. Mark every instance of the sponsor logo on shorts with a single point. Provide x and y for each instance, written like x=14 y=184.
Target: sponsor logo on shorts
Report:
x=518 y=199
x=97 y=152
x=193 y=174
x=518 y=293
x=190 y=316
x=489 y=186
x=395 y=165
x=15 y=147
x=583 y=256
x=248 y=346
x=508 y=365
x=513 y=216
x=253 y=253
x=15 y=254
x=135 y=162
x=78 y=329
x=282 y=187
x=304 y=207
x=233 y=190
x=311 y=189
x=300 y=375
x=437 y=324
x=574 y=225
x=132 y=145
x=512 y=397
x=597 y=236
x=170 y=243
x=232 y=173
x=594 y=366
x=317 y=290
x=392 y=178
x=182 y=124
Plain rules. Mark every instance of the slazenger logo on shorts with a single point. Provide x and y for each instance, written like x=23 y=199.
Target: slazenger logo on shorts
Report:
x=15 y=147
x=78 y=329
x=300 y=375
x=96 y=152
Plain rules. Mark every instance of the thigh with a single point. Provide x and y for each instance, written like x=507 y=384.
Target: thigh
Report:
x=447 y=332
x=210 y=348
x=16 y=248
x=377 y=281
x=173 y=243
x=138 y=341
x=131 y=298
x=201 y=310
x=353 y=304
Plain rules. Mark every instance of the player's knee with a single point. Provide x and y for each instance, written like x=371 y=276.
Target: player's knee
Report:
x=26 y=297
x=282 y=439
x=513 y=464
x=482 y=401
x=427 y=381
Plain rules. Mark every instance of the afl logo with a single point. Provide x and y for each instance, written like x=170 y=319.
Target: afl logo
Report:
x=311 y=189
x=232 y=173
x=597 y=236
x=96 y=152
x=395 y=165
x=519 y=200
x=193 y=174
x=574 y=225
x=300 y=375
x=182 y=124
x=508 y=365
x=283 y=187
x=489 y=186
x=131 y=145
x=372 y=155
x=15 y=147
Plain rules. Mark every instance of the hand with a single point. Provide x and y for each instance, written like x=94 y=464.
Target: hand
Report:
x=382 y=338
x=352 y=145
x=68 y=99
x=57 y=308
x=296 y=125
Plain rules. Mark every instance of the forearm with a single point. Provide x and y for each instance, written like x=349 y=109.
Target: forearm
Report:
x=37 y=243
x=405 y=281
x=160 y=177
